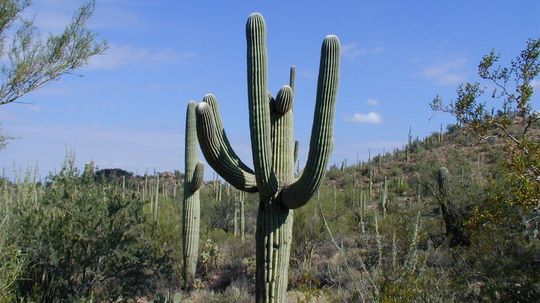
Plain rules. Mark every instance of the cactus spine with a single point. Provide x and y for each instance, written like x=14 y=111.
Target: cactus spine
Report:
x=271 y=128
x=194 y=172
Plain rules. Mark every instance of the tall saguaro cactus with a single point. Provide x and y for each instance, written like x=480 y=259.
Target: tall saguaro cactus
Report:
x=191 y=214
x=271 y=127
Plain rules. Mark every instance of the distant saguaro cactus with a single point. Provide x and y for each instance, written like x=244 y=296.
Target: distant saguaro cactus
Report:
x=271 y=128
x=453 y=217
x=191 y=214
x=384 y=197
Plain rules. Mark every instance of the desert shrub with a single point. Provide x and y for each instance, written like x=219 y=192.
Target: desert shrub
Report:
x=79 y=238
x=500 y=266
x=11 y=260
x=387 y=266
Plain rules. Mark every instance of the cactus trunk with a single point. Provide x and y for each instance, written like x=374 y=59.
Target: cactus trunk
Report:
x=271 y=128
x=191 y=209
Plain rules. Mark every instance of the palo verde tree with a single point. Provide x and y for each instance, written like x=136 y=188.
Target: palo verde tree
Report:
x=507 y=113
x=271 y=128
x=31 y=62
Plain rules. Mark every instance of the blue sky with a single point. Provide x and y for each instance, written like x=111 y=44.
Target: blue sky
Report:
x=128 y=108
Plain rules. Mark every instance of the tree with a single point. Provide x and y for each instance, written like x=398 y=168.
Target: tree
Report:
x=511 y=121
x=4 y=139
x=31 y=62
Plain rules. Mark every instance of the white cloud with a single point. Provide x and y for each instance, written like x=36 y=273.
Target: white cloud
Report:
x=35 y=108
x=370 y=118
x=54 y=15
x=446 y=72
x=535 y=84
x=353 y=50
x=306 y=73
x=373 y=102
x=123 y=55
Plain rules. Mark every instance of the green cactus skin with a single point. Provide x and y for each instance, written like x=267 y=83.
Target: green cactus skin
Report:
x=271 y=128
x=217 y=150
x=194 y=172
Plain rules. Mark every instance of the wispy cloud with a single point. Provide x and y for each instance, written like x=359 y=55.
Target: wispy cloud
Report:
x=130 y=149
x=54 y=15
x=535 y=84
x=124 y=55
x=373 y=102
x=306 y=73
x=449 y=71
x=369 y=118
x=353 y=50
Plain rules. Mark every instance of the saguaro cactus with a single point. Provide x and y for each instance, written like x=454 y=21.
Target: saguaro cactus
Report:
x=271 y=128
x=383 y=197
x=453 y=217
x=194 y=172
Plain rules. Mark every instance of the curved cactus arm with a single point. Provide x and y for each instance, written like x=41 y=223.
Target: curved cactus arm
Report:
x=298 y=193
x=198 y=176
x=259 y=107
x=216 y=155
x=284 y=100
x=222 y=136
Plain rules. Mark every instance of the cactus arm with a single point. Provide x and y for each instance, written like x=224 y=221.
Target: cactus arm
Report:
x=259 y=107
x=284 y=100
x=222 y=136
x=216 y=155
x=198 y=176
x=191 y=154
x=298 y=193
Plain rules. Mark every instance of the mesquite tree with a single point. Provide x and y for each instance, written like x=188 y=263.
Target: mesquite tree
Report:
x=271 y=128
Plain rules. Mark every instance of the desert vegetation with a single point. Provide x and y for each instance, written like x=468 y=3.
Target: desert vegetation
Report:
x=86 y=235
x=451 y=217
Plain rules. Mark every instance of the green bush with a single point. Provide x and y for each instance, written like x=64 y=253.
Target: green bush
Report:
x=81 y=239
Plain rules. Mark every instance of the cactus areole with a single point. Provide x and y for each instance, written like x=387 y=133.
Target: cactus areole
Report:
x=271 y=128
